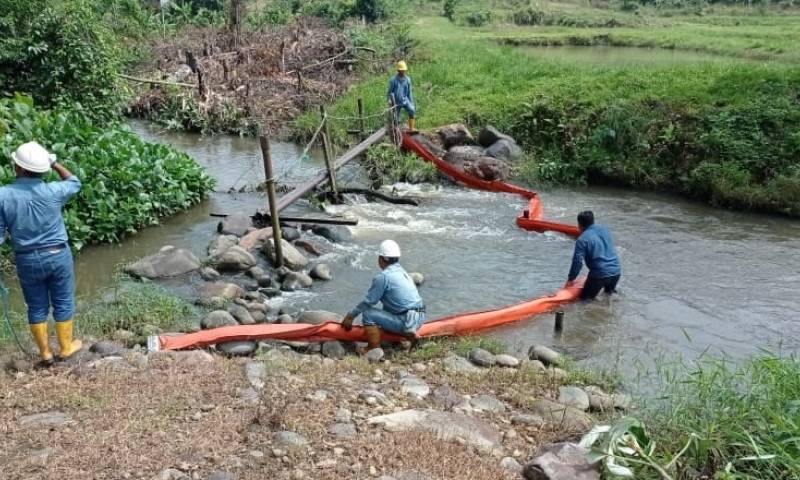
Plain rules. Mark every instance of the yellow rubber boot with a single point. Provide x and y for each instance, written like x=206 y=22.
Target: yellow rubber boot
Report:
x=39 y=333
x=68 y=346
x=412 y=123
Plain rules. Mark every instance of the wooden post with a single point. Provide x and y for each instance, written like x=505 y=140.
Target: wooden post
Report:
x=326 y=151
x=273 y=200
x=361 y=119
x=559 y=321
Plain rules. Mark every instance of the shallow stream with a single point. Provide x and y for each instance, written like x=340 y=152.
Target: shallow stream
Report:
x=696 y=279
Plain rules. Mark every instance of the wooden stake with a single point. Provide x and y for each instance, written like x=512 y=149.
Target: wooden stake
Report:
x=273 y=200
x=559 y=321
x=361 y=119
x=326 y=151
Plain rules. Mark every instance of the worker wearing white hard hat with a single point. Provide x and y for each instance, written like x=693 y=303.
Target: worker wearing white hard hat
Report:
x=403 y=310
x=30 y=211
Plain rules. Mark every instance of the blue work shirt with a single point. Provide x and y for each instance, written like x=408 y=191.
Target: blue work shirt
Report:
x=30 y=209
x=400 y=87
x=394 y=289
x=596 y=248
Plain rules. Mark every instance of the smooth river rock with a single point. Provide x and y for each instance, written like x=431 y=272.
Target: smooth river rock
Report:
x=455 y=134
x=333 y=233
x=489 y=169
x=414 y=387
x=487 y=403
x=489 y=135
x=574 y=397
x=216 y=319
x=237 y=224
x=481 y=357
x=292 y=258
x=289 y=440
x=544 y=354
x=561 y=461
x=463 y=155
x=504 y=149
x=227 y=291
x=445 y=425
x=209 y=274
x=234 y=259
x=241 y=314
x=220 y=244
x=238 y=347
x=333 y=349
x=318 y=317
x=296 y=281
x=170 y=262
x=52 y=419
x=562 y=415
x=321 y=272
x=458 y=364
x=507 y=361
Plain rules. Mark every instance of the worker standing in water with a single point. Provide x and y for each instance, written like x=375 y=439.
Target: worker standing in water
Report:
x=30 y=211
x=595 y=247
x=401 y=95
x=403 y=311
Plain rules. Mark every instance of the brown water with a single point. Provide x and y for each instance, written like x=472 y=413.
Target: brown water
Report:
x=695 y=280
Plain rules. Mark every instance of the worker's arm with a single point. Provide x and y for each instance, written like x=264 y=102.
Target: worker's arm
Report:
x=390 y=92
x=374 y=295
x=410 y=92
x=69 y=184
x=577 y=261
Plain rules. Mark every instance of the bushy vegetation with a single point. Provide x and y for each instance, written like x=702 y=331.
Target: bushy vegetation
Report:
x=127 y=183
x=335 y=12
x=386 y=164
x=715 y=420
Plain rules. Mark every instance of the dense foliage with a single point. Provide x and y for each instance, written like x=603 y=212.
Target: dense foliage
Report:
x=335 y=12
x=59 y=53
x=127 y=183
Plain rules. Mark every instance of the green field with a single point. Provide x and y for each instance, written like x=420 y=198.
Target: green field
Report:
x=726 y=131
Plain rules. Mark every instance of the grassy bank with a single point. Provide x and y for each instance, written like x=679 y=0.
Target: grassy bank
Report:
x=717 y=420
x=724 y=132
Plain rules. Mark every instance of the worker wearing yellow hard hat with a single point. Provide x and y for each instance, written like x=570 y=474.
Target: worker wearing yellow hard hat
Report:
x=401 y=94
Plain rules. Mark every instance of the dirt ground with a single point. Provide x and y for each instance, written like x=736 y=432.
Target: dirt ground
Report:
x=137 y=416
x=268 y=76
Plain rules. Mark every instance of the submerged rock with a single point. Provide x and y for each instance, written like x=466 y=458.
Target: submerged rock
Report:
x=295 y=281
x=333 y=233
x=311 y=247
x=290 y=234
x=237 y=224
x=169 y=262
x=561 y=461
x=292 y=258
x=321 y=272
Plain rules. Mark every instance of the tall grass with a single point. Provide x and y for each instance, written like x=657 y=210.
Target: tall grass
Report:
x=746 y=417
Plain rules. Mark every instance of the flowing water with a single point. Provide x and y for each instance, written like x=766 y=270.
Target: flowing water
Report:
x=695 y=279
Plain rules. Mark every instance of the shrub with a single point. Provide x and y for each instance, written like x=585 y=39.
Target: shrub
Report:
x=127 y=183
x=477 y=18
x=386 y=164
x=528 y=16
x=59 y=54
x=449 y=10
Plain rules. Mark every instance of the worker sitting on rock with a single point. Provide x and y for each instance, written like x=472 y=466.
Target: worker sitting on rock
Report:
x=401 y=95
x=30 y=210
x=596 y=248
x=403 y=311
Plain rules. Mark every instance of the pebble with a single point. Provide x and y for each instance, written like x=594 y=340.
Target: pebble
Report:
x=375 y=355
x=574 y=397
x=256 y=454
x=343 y=415
x=511 y=464
x=343 y=430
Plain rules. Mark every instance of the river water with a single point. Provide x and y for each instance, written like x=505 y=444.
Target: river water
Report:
x=696 y=280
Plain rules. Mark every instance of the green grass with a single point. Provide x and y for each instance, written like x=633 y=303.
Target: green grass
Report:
x=746 y=418
x=724 y=131
x=443 y=346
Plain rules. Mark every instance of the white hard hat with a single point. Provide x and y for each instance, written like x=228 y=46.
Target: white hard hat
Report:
x=389 y=249
x=33 y=157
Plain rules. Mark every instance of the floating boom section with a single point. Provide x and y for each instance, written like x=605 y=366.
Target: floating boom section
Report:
x=530 y=219
x=459 y=324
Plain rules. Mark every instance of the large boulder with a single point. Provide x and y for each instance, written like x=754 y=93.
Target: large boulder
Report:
x=489 y=135
x=220 y=244
x=432 y=142
x=292 y=258
x=455 y=134
x=561 y=461
x=237 y=224
x=234 y=258
x=225 y=291
x=169 y=262
x=463 y=155
x=445 y=425
x=488 y=168
x=255 y=239
x=318 y=317
x=504 y=150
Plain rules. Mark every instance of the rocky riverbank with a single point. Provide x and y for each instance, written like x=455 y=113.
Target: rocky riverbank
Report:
x=429 y=413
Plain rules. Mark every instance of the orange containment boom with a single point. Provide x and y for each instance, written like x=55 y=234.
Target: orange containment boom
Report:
x=459 y=324
x=531 y=219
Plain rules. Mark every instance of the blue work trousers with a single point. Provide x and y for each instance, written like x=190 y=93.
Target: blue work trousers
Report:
x=408 y=107
x=47 y=278
x=403 y=324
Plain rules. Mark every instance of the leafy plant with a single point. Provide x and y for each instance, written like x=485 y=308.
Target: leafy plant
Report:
x=127 y=183
x=477 y=18
x=449 y=9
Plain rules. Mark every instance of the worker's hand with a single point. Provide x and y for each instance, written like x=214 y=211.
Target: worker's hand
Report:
x=347 y=323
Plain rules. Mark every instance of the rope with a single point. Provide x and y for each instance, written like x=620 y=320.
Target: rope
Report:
x=374 y=115
x=4 y=293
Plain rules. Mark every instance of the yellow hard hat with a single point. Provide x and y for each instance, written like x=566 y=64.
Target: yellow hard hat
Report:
x=401 y=66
